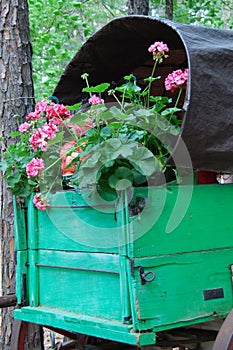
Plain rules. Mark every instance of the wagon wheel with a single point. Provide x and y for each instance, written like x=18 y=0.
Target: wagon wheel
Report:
x=224 y=340
x=26 y=336
x=29 y=336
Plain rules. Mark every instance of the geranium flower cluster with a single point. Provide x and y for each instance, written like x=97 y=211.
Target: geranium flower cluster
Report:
x=54 y=114
x=34 y=167
x=159 y=49
x=48 y=115
x=95 y=100
x=43 y=124
x=49 y=121
x=176 y=79
x=51 y=111
x=40 y=202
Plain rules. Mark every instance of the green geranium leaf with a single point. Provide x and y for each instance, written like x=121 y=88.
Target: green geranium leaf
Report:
x=151 y=79
x=117 y=113
x=126 y=150
x=98 y=88
x=32 y=182
x=58 y=138
x=106 y=115
x=14 y=179
x=123 y=184
x=169 y=111
x=144 y=161
x=79 y=118
x=114 y=144
x=74 y=107
x=121 y=179
x=86 y=176
x=106 y=132
x=162 y=99
x=138 y=177
x=91 y=133
x=24 y=191
x=130 y=77
x=124 y=173
x=90 y=162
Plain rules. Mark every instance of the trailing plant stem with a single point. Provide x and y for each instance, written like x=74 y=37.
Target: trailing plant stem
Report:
x=150 y=82
x=178 y=97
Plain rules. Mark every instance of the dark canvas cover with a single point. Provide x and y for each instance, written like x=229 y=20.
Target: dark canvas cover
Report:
x=121 y=47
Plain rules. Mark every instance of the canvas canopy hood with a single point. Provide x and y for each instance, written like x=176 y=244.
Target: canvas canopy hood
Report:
x=121 y=47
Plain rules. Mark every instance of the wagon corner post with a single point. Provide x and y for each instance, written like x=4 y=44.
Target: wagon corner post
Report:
x=16 y=98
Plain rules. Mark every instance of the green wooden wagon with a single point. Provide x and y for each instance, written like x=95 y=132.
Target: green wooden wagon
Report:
x=154 y=269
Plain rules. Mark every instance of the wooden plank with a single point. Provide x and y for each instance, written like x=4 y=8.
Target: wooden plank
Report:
x=187 y=287
x=94 y=326
x=32 y=225
x=205 y=224
x=85 y=283
x=108 y=263
x=33 y=278
x=88 y=228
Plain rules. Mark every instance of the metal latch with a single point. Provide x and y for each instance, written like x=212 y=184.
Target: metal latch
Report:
x=148 y=276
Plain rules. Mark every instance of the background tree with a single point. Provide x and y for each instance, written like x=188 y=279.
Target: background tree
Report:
x=169 y=9
x=138 y=7
x=16 y=97
x=209 y=13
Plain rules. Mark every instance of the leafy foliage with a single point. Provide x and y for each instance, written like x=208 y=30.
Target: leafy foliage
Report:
x=114 y=145
x=127 y=145
x=209 y=13
x=58 y=29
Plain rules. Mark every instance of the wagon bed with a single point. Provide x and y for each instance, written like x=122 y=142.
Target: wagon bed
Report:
x=140 y=276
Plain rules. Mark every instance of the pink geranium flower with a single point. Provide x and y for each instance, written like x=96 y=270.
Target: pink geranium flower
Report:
x=159 y=48
x=62 y=111
x=33 y=116
x=34 y=167
x=24 y=127
x=39 y=140
x=41 y=107
x=40 y=202
x=186 y=74
x=176 y=79
x=57 y=111
x=52 y=110
x=49 y=130
x=95 y=100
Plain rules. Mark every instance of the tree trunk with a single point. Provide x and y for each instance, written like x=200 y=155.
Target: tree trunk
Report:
x=16 y=98
x=138 y=7
x=169 y=9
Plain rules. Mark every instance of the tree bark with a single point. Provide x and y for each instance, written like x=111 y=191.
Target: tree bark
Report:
x=169 y=9
x=138 y=7
x=16 y=98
